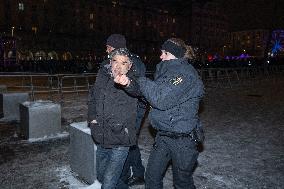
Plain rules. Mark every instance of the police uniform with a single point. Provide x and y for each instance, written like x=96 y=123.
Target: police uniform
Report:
x=174 y=96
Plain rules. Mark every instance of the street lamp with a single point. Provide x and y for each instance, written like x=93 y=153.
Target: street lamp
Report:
x=13 y=31
x=224 y=47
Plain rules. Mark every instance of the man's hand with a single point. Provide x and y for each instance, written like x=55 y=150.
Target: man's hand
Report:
x=94 y=121
x=122 y=80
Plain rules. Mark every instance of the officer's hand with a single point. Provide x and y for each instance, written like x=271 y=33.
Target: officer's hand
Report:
x=122 y=80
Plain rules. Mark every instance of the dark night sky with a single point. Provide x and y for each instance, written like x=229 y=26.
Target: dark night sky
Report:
x=244 y=14
x=254 y=14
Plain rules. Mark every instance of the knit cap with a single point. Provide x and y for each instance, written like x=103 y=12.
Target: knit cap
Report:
x=116 y=41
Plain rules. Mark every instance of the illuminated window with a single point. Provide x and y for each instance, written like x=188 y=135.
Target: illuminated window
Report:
x=34 y=29
x=21 y=6
x=91 y=26
x=91 y=16
x=114 y=3
x=137 y=23
x=174 y=20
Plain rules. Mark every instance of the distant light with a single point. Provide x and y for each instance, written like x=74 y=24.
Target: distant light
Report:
x=268 y=61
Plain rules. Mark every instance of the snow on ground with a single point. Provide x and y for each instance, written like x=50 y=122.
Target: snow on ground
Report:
x=244 y=147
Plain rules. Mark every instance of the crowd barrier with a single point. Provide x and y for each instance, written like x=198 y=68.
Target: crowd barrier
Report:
x=231 y=77
x=52 y=87
x=58 y=86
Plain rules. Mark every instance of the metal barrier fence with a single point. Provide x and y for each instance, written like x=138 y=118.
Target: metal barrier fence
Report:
x=52 y=87
x=57 y=87
x=231 y=77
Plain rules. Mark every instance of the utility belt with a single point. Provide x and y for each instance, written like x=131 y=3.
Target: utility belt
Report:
x=173 y=135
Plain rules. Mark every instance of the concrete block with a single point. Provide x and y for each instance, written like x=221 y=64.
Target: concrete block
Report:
x=82 y=152
x=9 y=105
x=3 y=88
x=40 y=119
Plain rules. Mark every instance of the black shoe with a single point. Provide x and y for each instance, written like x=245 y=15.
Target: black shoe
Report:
x=135 y=181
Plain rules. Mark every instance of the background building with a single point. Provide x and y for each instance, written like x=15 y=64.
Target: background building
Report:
x=70 y=29
x=249 y=42
x=209 y=27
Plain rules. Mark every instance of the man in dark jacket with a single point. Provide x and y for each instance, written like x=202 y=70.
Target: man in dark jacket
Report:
x=102 y=102
x=133 y=163
x=113 y=125
x=174 y=96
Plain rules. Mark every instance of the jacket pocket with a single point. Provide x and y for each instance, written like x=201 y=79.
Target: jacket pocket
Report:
x=118 y=134
x=97 y=133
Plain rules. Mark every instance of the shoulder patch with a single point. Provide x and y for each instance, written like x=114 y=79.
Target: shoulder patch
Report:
x=176 y=81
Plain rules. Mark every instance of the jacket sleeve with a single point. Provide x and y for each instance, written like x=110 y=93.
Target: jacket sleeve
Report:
x=92 y=94
x=133 y=89
x=168 y=91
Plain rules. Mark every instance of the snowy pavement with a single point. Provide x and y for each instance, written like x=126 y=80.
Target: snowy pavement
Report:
x=244 y=147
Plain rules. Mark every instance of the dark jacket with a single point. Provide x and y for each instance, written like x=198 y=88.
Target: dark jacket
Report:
x=174 y=96
x=114 y=110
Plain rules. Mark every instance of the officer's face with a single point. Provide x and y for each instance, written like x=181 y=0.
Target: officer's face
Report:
x=120 y=65
x=167 y=56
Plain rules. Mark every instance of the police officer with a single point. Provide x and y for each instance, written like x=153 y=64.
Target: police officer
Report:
x=174 y=96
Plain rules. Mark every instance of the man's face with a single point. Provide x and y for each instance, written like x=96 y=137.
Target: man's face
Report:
x=120 y=65
x=109 y=49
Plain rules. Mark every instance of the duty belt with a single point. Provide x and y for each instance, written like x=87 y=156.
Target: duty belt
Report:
x=174 y=135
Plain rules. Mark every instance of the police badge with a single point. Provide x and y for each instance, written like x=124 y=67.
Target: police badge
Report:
x=176 y=80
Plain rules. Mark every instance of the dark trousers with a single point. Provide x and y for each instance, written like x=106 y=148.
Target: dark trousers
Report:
x=183 y=153
x=134 y=161
x=134 y=156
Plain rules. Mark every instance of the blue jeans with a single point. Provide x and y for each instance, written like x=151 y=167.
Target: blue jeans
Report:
x=109 y=165
x=182 y=152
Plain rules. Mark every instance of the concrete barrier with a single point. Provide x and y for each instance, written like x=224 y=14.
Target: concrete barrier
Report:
x=40 y=119
x=82 y=152
x=9 y=105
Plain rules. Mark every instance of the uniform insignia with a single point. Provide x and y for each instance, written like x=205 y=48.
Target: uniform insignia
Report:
x=176 y=80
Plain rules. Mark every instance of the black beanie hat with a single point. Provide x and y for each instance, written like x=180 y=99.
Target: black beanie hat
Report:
x=116 y=41
x=174 y=49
